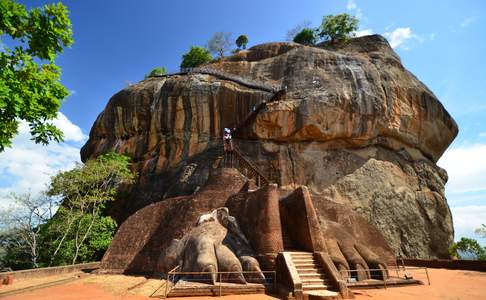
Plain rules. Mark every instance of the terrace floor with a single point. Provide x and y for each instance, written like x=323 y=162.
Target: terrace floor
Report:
x=445 y=284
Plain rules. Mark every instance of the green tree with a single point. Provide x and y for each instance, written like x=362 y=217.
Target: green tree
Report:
x=291 y=33
x=195 y=57
x=220 y=43
x=84 y=191
x=338 y=27
x=156 y=72
x=468 y=248
x=242 y=41
x=30 y=90
x=96 y=243
x=306 y=37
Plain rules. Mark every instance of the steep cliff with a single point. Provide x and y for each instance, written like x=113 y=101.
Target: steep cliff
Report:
x=352 y=124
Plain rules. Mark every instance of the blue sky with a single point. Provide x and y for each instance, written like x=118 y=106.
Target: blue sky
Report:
x=117 y=42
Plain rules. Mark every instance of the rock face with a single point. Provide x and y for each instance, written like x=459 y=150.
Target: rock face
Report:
x=353 y=125
x=227 y=227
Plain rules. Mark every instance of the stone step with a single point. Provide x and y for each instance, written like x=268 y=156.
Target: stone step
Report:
x=313 y=287
x=301 y=256
x=321 y=294
x=313 y=281
x=303 y=260
x=312 y=275
x=294 y=254
x=306 y=265
x=310 y=270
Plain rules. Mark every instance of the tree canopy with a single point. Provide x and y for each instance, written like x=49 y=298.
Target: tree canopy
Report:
x=338 y=27
x=242 y=41
x=467 y=248
x=30 y=90
x=306 y=37
x=291 y=33
x=220 y=43
x=79 y=231
x=195 y=57
x=157 y=72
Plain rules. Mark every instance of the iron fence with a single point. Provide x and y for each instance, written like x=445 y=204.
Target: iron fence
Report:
x=386 y=275
x=177 y=277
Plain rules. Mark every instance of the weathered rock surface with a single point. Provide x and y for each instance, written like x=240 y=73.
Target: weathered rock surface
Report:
x=354 y=126
x=196 y=234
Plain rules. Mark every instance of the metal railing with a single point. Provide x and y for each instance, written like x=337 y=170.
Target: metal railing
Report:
x=271 y=88
x=176 y=277
x=385 y=275
x=235 y=159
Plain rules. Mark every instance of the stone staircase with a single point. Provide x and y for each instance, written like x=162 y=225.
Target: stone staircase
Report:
x=312 y=275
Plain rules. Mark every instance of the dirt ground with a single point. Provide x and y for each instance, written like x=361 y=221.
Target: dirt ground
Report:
x=445 y=285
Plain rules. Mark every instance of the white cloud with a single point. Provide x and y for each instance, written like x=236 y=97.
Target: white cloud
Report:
x=467 y=218
x=466 y=188
x=482 y=134
x=466 y=167
x=351 y=5
x=400 y=36
x=466 y=22
x=27 y=166
x=71 y=131
x=363 y=32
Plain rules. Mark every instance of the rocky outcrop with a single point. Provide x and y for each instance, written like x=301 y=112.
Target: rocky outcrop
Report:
x=225 y=227
x=353 y=125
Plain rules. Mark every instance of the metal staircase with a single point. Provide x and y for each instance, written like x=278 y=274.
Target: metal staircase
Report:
x=236 y=160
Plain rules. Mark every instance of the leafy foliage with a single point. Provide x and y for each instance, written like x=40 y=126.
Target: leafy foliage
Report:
x=156 y=72
x=220 y=43
x=306 y=37
x=338 y=27
x=30 y=90
x=195 y=57
x=242 y=41
x=291 y=33
x=92 y=249
x=85 y=190
x=78 y=232
x=468 y=248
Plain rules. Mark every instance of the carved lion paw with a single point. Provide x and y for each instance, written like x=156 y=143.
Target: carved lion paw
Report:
x=215 y=245
x=350 y=257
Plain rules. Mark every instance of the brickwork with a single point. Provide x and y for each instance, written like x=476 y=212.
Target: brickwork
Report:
x=259 y=218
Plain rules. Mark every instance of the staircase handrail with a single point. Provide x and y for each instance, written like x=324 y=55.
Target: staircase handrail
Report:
x=271 y=88
x=262 y=180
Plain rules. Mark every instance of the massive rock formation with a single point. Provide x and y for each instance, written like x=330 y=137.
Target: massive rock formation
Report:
x=353 y=125
x=226 y=227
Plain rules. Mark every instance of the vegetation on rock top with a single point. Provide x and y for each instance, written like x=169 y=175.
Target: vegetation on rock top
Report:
x=195 y=57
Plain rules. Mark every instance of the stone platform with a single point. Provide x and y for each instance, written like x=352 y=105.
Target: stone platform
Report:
x=185 y=288
x=374 y=283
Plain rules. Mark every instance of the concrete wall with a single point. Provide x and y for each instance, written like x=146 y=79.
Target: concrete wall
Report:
x=472 y=265
x=42 y=272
